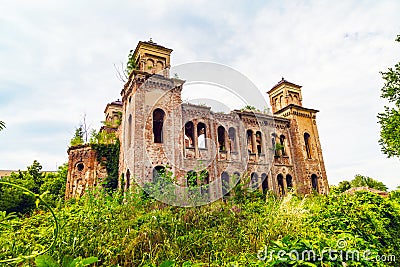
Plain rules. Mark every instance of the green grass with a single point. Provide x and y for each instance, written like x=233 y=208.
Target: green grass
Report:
x=132 y=230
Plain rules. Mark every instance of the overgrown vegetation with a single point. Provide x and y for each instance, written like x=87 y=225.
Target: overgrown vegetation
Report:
x=390 y=118
x=358 y=181
x=131 y=229
x=33 y=179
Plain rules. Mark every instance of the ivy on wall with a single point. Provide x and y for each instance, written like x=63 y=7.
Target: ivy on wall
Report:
x=108 y=156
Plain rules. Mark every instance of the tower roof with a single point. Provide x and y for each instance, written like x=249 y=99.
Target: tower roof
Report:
x=283 y=81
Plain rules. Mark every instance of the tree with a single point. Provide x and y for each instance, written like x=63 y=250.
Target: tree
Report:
x=390 y=118
x=360 y=180
x=15 y=200
x=78 y=137
x=343 y=186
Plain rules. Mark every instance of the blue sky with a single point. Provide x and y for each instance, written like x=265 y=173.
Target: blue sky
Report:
x=57 y=63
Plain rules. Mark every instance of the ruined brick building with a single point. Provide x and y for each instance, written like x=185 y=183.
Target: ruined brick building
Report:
x=276 y=151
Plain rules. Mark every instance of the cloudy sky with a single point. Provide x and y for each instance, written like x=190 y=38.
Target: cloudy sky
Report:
x=57 y=63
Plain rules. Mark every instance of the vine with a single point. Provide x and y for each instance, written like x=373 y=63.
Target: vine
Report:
x=108 y=156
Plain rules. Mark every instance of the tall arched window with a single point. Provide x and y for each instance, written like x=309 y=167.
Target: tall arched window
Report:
x=289 y=181
x=221 y=138
x=189 y=134
x=250 y=147
x=205 y=181
x=158 y=174
x=191 y=179
x=232 y=139
x=254 y=180
x=314 y=182
x=264 y=179
x=282 y=141
x=307 y=144
x=273 y=141
x=201 y=135
x=225 y=183
x=128 y=179
x=235 y=178
x=130 y=130
x=158 y=122
x=281 y=187
x=258 y=142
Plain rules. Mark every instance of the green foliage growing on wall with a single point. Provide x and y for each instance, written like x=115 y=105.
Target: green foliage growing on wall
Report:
x=108 y=155
x=77 y=139
x=131 y=64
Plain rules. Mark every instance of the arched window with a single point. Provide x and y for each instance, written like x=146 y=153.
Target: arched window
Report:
x=189 y=134
x=314 y=182
x=149 y=65
x=158 y=174
x=258 y=142
x=250 y=141
x=130 y=130
x=273 y=141
x=307 y=144
x=128 y=179
x=205 y=180
x=232 y=139
x=281 y=187
x=235 y=178
x=159 y=67
x=221 y=138
x=282 y=141
x=225 y=183
x=264 y=179
x=289 y=181
x=201 y=135
x=254 y=180
x=158 y=122
x=191 y=179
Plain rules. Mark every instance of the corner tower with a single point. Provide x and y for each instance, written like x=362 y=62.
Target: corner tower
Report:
x=151 y=122
x=152 y=58
x=286 y=101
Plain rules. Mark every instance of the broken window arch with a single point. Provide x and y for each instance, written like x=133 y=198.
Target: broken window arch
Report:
x=158 y=123
x=264 y=179
x=254 y=180
x=282 y=141
x=314 y=182
x=259 y=142
x=128 y=180
x=201 y=135
x=221 y=138
x=158 y=174
x=130 y=129
x=189 y=134
x=225 y=183
x=307 y=144
x=191 y=179
x=250 y=147
x=205 y=181
x=289 y=181
x=232 y=139
x=281 y=187
x=273 y=141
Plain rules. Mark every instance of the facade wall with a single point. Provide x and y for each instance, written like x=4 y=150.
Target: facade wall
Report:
x=84 y=171
x=251 y=152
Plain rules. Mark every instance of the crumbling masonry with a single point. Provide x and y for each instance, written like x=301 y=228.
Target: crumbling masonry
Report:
x=157 y=131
